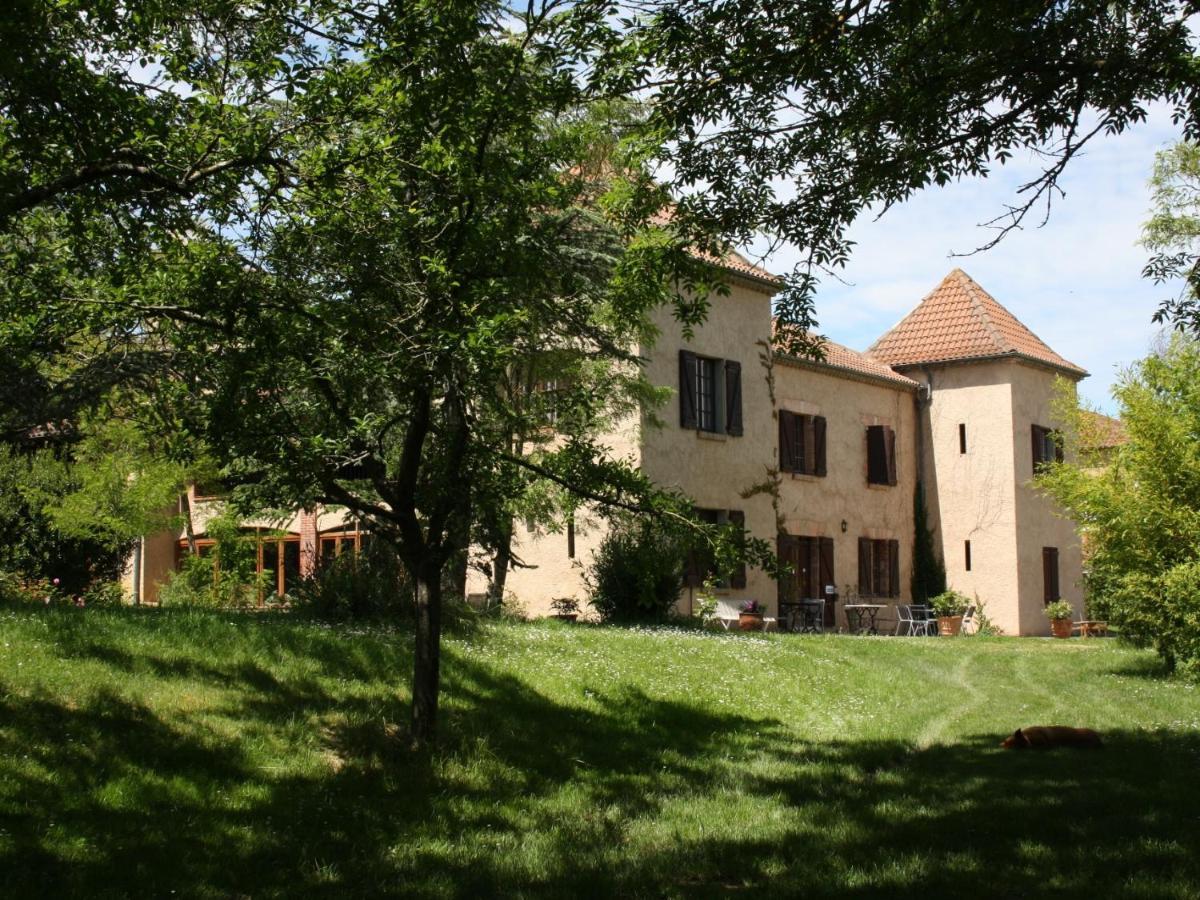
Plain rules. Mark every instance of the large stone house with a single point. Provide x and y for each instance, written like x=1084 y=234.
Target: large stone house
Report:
x=958 y=395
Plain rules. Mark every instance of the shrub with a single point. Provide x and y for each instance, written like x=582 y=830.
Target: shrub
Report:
x=636 y=573
x=371 y=584
x=949 y=603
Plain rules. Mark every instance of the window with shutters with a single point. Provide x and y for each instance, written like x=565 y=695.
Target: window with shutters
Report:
x=710 y=394
x=881 y=455
x=1050 y=591
x=801 y=443
x=878 y=568
x=810 y=566
x=700 y=563
x=1047 y=446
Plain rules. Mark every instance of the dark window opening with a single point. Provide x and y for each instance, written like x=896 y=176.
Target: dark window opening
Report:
x=710 y=394
x=571 y=538
x=878 y=568
x=802 y=443
x=962 y=438
x=1047 y=446
x=881 y=455
x=967 y=549
x=1050 y=591
x=700 y=563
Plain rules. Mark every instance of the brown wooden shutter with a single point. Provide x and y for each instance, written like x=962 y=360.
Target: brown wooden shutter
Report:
x=877 y=472
x=1049 y=574
x=819 y=442
x=809 y=439
x=864 y=567
x=737 y=578
x=889 y=441
x=733 y=397
x=812 y=565
x=687 y=389
x=893 y=568
x=1036 y=432
x=786 y=437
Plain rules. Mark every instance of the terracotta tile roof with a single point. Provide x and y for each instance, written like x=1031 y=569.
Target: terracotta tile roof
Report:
x=731 y=260
x=847 y=360
x=959 y=320
x=1102 y=432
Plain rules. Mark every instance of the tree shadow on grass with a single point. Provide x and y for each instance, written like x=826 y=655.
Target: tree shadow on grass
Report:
x=616 y=794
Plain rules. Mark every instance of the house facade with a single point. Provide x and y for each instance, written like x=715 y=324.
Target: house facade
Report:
x=958 y=395
x=820 y=457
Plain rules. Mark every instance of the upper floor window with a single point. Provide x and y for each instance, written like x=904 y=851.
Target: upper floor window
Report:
x=710 y=393
x=881 y=455
x=1047 y=446
x=962 y=437
x=801 y=443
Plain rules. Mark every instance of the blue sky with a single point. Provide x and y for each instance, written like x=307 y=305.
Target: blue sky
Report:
x=1076 y=282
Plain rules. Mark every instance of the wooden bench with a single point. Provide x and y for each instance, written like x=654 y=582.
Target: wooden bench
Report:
x=1090 y=628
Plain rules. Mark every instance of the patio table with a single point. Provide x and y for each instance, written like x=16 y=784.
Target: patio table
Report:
x=860 y=617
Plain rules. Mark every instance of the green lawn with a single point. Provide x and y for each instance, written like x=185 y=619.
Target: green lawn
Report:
x=222 y=755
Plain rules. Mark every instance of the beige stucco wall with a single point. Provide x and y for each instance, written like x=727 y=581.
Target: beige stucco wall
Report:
x=714 y=469
x=1039 y=518
x=547 y=571
x=816 y=506
x=982 y=495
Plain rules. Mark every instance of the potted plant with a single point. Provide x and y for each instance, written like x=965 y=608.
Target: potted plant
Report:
x=565 y=608
x=750 y=616
x=949 y=607
x=1060 y=614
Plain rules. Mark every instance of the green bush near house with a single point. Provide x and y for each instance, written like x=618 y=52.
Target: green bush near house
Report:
x=370 y=584
x=636 y=573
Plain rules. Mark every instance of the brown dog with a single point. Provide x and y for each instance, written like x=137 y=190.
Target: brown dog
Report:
x=1043 y=737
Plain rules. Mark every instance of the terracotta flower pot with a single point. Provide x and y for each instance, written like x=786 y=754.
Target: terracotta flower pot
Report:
x=949 y=626
x=750 y=621
x=1060 y=628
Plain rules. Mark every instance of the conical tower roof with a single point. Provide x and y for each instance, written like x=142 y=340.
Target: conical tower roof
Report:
x=959 y=320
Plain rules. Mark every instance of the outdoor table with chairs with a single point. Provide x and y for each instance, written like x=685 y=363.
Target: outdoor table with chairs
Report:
x=860 y=617
x=915 y=619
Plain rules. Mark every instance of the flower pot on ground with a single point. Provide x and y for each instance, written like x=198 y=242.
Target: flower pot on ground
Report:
x=1060 y=614
x=949 y=607
x=750 y=616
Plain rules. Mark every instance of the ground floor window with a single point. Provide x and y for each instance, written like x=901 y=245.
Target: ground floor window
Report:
x=277 y=556
x=1050 y=591
x=878 y=568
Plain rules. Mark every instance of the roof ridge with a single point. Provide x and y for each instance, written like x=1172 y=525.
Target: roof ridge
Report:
x=978 y=298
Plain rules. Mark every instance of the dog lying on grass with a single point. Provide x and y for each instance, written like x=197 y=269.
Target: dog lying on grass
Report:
x=1043 y=737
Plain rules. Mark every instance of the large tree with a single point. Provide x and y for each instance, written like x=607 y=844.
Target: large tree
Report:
x=1138 y=503
x=1173 y=232
x=793 y=119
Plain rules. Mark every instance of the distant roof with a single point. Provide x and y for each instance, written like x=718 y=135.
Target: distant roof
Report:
x=731 y=260
x=847 y=360
x=1102 y=432
x=959 y=320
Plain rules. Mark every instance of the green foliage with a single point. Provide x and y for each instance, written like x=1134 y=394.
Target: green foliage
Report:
x=636 y=573
x=796 y=123
x=1173 y=232
x=1138 y=504
x=928 y=571
x=227 y=577
x=1059 y=609
x=949 y=603
x=368 y=585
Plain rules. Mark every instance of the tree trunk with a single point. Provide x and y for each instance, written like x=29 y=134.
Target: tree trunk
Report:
x=501 y=562
x=426 y=657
